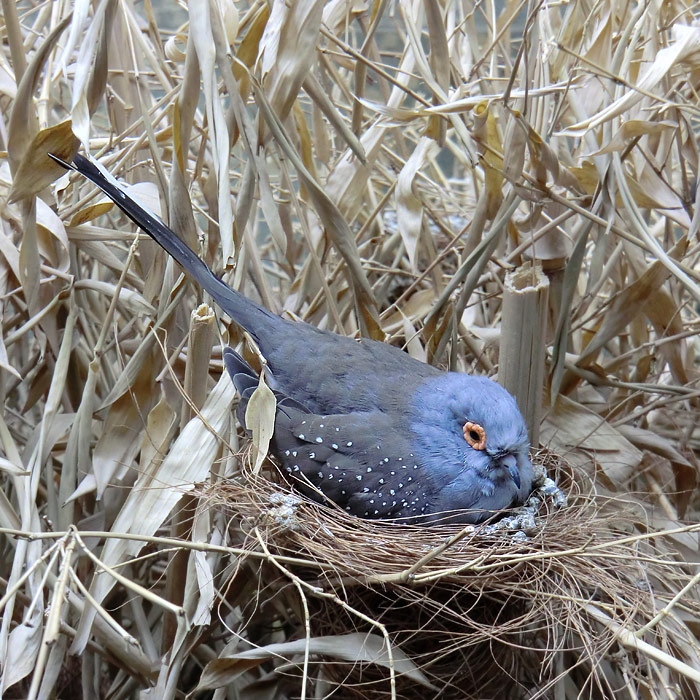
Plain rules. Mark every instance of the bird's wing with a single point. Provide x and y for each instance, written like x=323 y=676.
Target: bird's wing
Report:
x=341 y=457
x=359 y=460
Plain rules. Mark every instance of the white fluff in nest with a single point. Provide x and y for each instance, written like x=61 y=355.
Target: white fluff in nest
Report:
x=284 y=512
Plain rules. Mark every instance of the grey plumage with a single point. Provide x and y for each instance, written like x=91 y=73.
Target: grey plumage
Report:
x=377 y=432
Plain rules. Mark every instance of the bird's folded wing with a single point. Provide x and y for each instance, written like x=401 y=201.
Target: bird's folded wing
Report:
x=360 y=461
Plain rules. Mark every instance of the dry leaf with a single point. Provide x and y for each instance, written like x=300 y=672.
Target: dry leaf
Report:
x=260 y=420
x=409 y=208
x=36 y=170
x=486 y=131
x=588 y=441
x=355 y=648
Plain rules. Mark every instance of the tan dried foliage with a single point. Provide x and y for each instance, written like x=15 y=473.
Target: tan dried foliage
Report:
x=374 y=168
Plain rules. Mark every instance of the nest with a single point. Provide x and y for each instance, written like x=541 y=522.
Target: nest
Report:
x=484 y=611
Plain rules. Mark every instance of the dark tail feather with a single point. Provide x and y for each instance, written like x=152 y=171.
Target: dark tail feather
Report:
x=245 y=379
x=245 y=312
x=242 y=374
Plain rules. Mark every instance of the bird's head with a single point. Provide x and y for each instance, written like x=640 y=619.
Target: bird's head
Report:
x=473 y=436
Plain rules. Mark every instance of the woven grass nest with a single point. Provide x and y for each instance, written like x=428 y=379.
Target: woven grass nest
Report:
x=583 y=602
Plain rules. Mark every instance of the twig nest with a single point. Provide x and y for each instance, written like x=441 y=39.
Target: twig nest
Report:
x=478 y=610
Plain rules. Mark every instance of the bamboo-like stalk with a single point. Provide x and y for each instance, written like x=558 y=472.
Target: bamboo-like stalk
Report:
x=523 y=344
x=199 y=345
x=200 y=341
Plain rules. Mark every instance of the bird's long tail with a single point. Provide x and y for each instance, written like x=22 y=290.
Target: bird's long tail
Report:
x=255 y=319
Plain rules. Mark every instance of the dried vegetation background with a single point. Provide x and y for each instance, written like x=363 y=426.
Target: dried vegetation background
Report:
x=374 y=168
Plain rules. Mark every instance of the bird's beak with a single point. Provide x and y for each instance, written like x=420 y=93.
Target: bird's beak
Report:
x=510 y=463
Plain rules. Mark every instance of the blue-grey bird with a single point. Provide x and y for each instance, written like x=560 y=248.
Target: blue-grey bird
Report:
x=380 y=434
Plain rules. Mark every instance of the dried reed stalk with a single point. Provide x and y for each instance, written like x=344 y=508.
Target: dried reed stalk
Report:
x=523 y=344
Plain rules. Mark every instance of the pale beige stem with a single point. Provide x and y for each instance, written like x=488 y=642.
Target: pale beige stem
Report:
x=523 y=345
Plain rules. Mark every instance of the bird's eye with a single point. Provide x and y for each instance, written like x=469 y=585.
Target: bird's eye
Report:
x=475 y=435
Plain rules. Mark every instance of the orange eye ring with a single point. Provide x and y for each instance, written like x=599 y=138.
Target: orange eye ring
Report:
x=475 y=435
